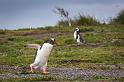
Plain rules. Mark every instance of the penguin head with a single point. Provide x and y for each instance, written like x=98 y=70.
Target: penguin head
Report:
x=77 y=29
x=51 y=41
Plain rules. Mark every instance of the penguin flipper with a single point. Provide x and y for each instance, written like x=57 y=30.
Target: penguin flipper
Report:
x=35 y=46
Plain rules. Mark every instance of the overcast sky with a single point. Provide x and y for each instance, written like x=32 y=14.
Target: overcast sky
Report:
x=16 y=14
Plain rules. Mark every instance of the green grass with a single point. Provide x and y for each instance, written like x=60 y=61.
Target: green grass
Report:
x=13 y=52
x=44 y=78
x=108 y=79
x=3 y=71
x=81 y=56
x=104 y=46
x=52 y=78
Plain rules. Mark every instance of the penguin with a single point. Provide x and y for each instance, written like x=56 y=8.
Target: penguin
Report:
x=77 y=37
x=42 y=54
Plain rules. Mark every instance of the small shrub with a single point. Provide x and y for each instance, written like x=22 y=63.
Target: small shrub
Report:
x=80 y=20
x=85 y=20
x=2 y=32
x=11 y=38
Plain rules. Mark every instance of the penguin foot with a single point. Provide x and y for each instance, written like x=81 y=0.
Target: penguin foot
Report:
x=32 y=69
x=45 y=72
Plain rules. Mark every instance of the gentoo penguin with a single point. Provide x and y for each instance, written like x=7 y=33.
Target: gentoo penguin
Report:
x=77 y=36
x=41 y=58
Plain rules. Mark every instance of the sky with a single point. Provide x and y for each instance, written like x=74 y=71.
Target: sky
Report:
x=16 y=14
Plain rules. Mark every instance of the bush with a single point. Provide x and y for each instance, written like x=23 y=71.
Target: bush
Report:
x=11 y=39
x=80 y=20
x=119 y=19
x=85 y=20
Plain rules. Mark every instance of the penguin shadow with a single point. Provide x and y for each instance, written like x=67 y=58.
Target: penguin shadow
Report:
x=26 y=70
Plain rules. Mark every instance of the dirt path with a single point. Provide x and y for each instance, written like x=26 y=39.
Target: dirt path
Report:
x=60 y=73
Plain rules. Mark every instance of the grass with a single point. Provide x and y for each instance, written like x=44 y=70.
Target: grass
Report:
x=108 y=79
x=44 y=78
x=69 y=56
x=52 y=78
x=104 y=46
x=3 y=71
x=12 y=47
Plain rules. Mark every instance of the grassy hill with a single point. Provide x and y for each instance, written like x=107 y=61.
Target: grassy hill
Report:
x=104 y=47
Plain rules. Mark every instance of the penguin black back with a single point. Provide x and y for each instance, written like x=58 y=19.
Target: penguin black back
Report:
x=51 y=41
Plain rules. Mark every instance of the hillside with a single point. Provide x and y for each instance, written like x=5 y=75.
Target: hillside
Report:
x=103 y=50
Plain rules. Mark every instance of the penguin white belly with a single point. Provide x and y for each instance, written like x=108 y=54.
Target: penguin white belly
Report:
x=75 y=35
x=42 y=55
x=78 y=38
